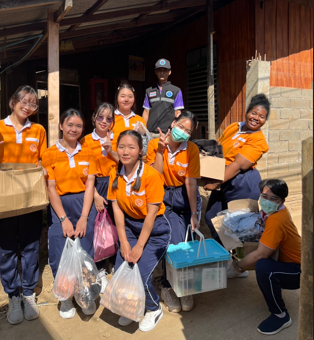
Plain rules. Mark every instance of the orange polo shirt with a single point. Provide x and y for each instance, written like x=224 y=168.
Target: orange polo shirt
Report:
x=249 y=144
x=104 y=162
x=70 y=171
x=25 y=146
x=122 y=124
x=185 y=162
x=281 y=231
x=134 y=203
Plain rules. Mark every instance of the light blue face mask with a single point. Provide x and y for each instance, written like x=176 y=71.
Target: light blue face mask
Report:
x=267 y=206
x=179 y=135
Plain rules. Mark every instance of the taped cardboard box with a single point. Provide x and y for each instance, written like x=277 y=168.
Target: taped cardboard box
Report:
x=22 y=189
x=234 y=243
x=211 y=168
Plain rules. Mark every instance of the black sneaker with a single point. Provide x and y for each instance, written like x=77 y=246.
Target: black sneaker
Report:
x=273 y=325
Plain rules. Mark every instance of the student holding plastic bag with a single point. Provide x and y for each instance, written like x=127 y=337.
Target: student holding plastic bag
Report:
x=177 y=159
x=71 y=177
x=21 y=142
x=99 y=141
x=136 y=190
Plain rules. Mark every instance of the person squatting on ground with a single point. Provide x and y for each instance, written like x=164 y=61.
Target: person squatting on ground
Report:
x=99 y=141
x=125 y=118
x=273 y=276
x=22 y=142
x=177 y=159
x=136 y=191
x=162 y=102
x=71 y=177
x=243 y=145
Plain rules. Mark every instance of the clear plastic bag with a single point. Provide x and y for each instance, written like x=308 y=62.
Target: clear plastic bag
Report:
x=125 y=293
x=88 y=285
x=64 y=283
x=146 y=136
x=105 y=237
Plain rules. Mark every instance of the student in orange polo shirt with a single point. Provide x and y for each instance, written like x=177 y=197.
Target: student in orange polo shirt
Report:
x=243 y=145
x=99 y=141
x=21 y=142
x=273 y=276
x=71 y=177
x=137 y=192
x=177 y=159
x=125 y=118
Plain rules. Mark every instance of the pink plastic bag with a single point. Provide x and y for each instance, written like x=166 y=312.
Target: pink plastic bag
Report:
x=105 y=237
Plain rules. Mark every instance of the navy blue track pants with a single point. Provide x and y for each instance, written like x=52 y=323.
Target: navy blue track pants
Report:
x=155 y=249
x=272 y=277
x=23 y=231
x=243 y=186
x=72 y=205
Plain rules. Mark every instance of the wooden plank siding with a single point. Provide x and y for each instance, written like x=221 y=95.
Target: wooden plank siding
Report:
x=284 y=32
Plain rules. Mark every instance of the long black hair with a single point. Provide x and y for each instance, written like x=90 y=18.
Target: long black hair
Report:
x=121 y=87
x=70 y=113
x=136 y=186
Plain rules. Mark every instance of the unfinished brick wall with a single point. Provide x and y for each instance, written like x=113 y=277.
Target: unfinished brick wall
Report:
x=290 y=122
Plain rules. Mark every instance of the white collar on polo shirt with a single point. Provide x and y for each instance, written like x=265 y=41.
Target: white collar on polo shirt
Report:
x=126 y=119
x=171 y=156
x=129 y=182
x=18 y=134
x=101 y=140
x=241 y=124
x=70 y=155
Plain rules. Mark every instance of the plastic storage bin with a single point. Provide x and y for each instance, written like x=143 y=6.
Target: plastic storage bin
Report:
x=193 y=268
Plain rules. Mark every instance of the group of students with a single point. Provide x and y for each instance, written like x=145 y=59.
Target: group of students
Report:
x=151 y=199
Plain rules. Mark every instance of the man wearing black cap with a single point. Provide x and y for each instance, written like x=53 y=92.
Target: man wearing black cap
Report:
x=163 y=102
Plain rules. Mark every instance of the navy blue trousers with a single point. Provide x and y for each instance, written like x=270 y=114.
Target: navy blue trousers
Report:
x=72 y=205
x=272 y=277
x=23 y=231
x=178 y=212
x=102 y=184
x=243 y=186
x=154 y=250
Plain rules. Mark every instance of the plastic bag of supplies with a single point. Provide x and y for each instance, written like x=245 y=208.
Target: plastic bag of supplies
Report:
x=146 y=136
x=125 y=293
x=105 y=237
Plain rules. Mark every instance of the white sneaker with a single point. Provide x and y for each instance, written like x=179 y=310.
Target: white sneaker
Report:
x=67 y=309
x=15 y=312
x=124 y=321
x=90 y=310
x=232 y=273
x=31 y=311
x=151 y=319
x=102 y=276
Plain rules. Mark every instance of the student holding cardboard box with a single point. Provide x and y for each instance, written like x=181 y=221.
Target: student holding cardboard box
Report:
x=271 y=275
x=243 y=145
x=22 y=142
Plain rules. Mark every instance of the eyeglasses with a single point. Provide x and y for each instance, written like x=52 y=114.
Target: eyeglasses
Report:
x=32 y=106
x=101 y=118
x=274 y=199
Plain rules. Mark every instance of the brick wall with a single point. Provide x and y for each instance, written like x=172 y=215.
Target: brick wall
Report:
x=290 y=122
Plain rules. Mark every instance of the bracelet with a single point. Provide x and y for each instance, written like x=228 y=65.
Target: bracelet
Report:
x=84 y=216
x=194 y=213
x=241 y=270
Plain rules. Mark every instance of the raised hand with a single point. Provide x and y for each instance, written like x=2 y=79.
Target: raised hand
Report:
x=107 y=144
x=163 y=141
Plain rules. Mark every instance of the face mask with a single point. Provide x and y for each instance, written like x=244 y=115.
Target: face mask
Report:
x=268 y=206
x=179 y=135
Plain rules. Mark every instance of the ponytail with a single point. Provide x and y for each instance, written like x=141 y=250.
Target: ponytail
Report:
x=137 y=184
x=115 y=182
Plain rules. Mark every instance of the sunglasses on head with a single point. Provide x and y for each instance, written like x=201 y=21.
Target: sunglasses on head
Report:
x=101 y=118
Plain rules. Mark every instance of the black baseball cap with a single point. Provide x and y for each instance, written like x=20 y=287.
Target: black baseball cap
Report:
x=163 y=63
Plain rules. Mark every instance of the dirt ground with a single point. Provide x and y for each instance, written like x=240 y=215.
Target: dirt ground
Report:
x=231 y=313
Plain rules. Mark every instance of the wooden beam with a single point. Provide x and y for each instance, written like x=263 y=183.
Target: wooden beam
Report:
x=7 y=32
x=14 y=5
x=307 y=3
x=132 y=11
x=63 y=10
x=53 y=80
x=111 y=27
x=141 y=16
x=90 y=11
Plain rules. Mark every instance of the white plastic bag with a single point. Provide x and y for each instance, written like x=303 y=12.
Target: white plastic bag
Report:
x=146 y=136
x=63 y=287
x=125 y=293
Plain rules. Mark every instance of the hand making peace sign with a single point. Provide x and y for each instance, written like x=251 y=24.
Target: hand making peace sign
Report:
x=163 y=141
x=107 y=144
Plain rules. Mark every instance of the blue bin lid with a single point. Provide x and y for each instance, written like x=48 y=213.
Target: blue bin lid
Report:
x=185 y=255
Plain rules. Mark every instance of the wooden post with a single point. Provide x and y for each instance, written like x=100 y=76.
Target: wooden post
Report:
x=53 y=80
x=210 y=71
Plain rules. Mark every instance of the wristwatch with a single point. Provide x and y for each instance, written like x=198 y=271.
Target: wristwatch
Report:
x=61 y=219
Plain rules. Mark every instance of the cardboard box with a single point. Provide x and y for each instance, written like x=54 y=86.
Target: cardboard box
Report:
x=22 y=189
x=212 y=167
